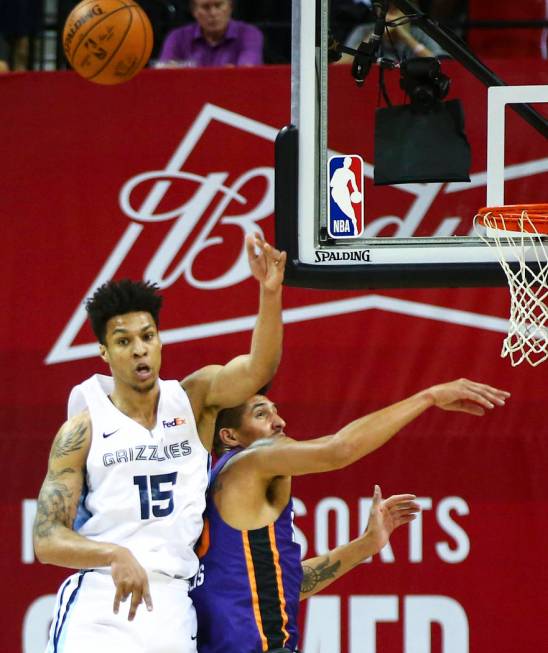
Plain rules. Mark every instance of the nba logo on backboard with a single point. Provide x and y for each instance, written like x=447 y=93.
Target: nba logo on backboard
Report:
x=346 y=202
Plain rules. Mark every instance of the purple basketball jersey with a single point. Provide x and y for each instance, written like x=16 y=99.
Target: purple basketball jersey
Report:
x=247 y=589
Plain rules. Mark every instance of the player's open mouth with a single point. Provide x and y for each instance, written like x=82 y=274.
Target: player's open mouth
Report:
x=143 y=371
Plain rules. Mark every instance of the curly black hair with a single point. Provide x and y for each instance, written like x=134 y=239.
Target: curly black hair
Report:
x=120 y=297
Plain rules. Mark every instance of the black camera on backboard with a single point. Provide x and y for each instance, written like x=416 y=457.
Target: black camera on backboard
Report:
x=423 y=81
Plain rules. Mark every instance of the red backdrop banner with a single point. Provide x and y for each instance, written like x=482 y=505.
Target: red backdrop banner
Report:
x=160 y=178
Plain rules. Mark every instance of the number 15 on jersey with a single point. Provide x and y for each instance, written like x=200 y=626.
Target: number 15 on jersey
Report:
x=156 y=492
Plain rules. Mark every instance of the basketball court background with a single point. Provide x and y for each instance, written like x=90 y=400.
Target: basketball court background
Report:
x=151 y=180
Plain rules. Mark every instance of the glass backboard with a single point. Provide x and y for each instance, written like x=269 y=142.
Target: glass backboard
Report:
x=412 y=234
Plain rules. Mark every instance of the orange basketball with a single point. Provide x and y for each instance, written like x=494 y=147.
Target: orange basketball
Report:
x=107 y=41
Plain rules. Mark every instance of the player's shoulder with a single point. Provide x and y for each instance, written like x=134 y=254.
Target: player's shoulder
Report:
x=73 y=439
x=77 y=424
x=197 y=386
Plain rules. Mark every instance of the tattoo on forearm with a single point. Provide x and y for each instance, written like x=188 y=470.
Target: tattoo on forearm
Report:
x=313 y=576
x=69 y=441
x=54 y=504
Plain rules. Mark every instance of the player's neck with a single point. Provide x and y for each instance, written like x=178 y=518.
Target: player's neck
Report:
x=139 y=406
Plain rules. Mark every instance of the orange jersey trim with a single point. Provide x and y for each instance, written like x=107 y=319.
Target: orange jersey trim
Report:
x=203 y=543
x=281 y=595
x=254 y=593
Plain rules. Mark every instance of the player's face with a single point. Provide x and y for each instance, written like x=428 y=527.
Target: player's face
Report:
x=133 y=350
x=260 y=420
x=212 y=16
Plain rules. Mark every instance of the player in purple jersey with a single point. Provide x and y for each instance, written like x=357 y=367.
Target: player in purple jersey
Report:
x=250 y=578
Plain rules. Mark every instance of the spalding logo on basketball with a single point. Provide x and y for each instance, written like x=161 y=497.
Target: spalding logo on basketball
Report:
x=107 y=41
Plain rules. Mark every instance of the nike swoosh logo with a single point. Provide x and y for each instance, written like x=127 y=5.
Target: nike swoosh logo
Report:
x=107 y=435
x=194 y=637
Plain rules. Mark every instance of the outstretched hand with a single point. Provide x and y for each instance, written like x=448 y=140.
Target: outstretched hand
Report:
x=268 y=265
x=467 y=396
x=387 y=514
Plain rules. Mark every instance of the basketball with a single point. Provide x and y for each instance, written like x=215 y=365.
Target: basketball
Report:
x=107 y=41
x=356 y=196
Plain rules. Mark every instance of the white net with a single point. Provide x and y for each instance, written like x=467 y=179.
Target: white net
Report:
x=522 y=252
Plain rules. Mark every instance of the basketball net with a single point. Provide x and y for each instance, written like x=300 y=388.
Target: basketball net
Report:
x=519 y=237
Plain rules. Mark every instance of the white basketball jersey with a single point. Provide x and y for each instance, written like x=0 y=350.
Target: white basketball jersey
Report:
x=145 y=490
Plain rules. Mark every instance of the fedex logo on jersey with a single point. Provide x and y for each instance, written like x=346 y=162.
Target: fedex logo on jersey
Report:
x=176 y=421
x=346 y=201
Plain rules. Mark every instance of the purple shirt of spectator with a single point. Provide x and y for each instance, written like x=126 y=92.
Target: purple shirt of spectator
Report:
x=242 y=45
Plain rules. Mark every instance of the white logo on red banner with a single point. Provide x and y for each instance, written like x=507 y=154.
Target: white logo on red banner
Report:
x=193 y=220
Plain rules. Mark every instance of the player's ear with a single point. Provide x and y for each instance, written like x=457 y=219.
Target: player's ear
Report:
x=229 y=437
x=103 y=352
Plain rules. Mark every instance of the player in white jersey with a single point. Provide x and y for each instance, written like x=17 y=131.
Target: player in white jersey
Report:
x=123 y=497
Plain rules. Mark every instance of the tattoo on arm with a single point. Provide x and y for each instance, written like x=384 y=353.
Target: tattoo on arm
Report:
x=54 y=504
x=313 y=576
x=68 y=442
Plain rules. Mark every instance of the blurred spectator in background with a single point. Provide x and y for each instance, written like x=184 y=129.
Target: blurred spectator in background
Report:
x=4 y=55
x=18 y=24
x=403 y=41
x=346 y=14
x=215 y=39
x=273 y=18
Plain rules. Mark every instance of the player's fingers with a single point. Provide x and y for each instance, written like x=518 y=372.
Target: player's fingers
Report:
x=377 y=496
x=136 y=598
x=275 y=254
x=403 y=509
x=117 y=598
x=267 y=251
x=272 y=253
x=494 y=394
x=397 y=515
x=276 y=260
x=278 y=263
x=489 y=392
x=472 y=397
x=475 y=406
x=250 y=247
x=146 y=597
x=408 y=509
x=398 y=498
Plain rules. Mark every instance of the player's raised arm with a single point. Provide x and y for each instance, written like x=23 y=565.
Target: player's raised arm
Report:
x=231 y=384
x=286 y=457
x=55 y=541
x=244 y=375
x=385 y=516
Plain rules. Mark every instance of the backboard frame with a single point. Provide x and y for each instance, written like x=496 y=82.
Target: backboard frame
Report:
x=370 y=262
